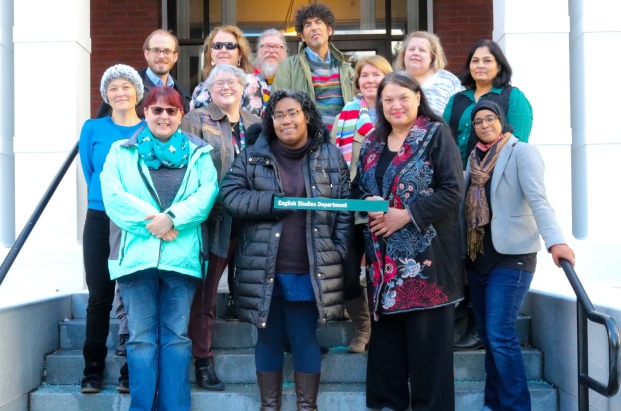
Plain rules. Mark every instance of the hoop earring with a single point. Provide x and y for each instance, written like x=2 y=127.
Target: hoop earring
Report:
x=213 y=63
x=238 y=62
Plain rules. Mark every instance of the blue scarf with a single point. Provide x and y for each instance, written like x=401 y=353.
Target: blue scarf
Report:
x=172 y=154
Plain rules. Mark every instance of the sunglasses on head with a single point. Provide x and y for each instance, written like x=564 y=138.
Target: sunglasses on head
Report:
x=229 y=45
x=171 y=111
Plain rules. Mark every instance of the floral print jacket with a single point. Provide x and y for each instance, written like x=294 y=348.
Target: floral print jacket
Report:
x=252 y=99
x=420 y=265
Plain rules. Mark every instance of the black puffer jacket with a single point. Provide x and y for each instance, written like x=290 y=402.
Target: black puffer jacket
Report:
x=247 y=192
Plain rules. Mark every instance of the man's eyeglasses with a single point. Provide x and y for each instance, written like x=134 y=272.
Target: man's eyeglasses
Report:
x=280 y=117
x=171 y=111
x=229 y=45
x=488 y=119
x=156 y=52
x=267 y=47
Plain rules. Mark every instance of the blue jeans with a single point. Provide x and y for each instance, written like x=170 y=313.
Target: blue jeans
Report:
x=159 y=350
x=496 y=300
x=292 y=321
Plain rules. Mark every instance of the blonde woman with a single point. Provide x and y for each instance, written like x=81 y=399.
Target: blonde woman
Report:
x=423 y=58
x=228 y=45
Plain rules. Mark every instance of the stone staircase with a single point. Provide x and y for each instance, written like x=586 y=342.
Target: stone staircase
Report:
x=342 y=376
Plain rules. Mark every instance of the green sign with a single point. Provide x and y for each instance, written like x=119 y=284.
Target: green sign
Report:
x=333 y=204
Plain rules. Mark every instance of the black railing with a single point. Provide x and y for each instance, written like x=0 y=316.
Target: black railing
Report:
x=34 y=217
x=587 y=312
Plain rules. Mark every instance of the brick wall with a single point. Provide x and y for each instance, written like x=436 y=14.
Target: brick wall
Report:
x=460 y=23
x=118 y=31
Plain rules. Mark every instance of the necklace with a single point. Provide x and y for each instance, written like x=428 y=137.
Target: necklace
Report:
x=233 y=125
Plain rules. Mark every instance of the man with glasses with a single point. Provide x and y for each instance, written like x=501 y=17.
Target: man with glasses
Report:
x=271 y=51
x=318 y=69
x=161 y=50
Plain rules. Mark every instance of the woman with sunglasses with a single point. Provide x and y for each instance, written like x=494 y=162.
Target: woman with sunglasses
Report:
x=158 y=188
x=228 y=45
x=223 y=124
x=289 y=262
x=121 y=88
x=505 y=179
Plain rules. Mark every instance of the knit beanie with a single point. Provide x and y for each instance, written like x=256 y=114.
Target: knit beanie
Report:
x=492 y=106
x=125 y=72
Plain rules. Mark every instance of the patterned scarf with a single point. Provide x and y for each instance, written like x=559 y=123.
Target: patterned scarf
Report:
x=354 y=117
x=477 y=207
x=172 y=154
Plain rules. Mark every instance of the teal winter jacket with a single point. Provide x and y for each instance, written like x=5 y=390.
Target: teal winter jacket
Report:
x=129 y=196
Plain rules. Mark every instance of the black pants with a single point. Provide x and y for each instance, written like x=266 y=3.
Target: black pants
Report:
x=417 y=346
x=96 y=250
x=351 y=269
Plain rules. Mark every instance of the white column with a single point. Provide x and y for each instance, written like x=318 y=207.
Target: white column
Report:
x=595 y=34
x=564 y=56
x=534 y=36
x=7 y=186
x=52 y=101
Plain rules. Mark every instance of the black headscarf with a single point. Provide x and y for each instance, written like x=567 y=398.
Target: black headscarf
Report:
x=490 y=105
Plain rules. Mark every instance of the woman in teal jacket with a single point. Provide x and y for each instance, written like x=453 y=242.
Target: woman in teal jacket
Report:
x=487 y=76
x=158 y=188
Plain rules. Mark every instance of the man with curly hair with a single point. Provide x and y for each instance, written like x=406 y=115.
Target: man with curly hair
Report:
x=318 y=69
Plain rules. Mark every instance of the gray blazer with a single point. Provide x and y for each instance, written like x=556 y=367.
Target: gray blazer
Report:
x=520 y=209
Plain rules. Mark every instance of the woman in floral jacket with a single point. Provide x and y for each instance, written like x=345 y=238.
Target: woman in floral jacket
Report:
x=413 y=250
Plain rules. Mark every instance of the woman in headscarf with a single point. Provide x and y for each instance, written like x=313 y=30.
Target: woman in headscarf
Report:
x=506 y=212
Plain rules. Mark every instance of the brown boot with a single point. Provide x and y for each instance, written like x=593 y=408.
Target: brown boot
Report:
x=306 y=390
x=270 y=388
x=358 y=311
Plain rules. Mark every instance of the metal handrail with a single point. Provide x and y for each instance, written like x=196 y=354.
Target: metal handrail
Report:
x=34 y=217
x=585 y=311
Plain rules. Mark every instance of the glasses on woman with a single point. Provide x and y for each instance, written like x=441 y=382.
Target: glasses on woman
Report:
x=231 y=83
x=157 y=111
x=166 y=52
x=489 y=120
x=267 y=47
x=280 y=117
x=229 y=45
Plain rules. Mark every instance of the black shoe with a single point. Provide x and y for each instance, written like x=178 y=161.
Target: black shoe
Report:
x=91 y=383
x=231 y=309
x=469 y=342
x=123 y=386
x=206 y=375
x=121 y=349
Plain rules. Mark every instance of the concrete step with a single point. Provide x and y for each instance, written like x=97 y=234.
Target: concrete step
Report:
x=235 y=334
x=79 y=301
x=238 y=367
x=242 y=397
x=228 y=334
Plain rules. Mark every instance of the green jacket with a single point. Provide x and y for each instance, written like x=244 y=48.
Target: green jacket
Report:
x=290 y=70
x=129 y=196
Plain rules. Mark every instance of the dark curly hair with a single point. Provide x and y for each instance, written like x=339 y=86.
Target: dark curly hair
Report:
x=402 y=79
x=308 y=107
x=314 y=10
x=502 y=79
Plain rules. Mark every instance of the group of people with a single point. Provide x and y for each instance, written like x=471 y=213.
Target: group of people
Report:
x=182 y=186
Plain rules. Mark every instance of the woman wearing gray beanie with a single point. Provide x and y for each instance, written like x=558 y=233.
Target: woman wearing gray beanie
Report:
x=122 y=88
